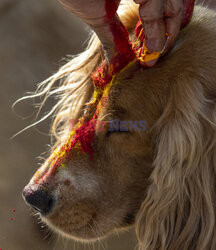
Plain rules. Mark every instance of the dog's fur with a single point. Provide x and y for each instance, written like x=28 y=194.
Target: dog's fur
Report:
x=163 y=179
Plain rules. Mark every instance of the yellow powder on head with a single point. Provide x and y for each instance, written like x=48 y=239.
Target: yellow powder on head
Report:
x=147 y=56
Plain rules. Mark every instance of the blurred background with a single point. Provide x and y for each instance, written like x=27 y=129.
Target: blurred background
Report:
x=34 y=38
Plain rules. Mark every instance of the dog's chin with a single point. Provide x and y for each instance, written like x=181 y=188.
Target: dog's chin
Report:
x=87 y=231
x=82 y=234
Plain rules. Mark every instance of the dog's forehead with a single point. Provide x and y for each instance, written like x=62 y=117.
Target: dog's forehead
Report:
x=106 y=79
x=127 y=90
x=113 y=107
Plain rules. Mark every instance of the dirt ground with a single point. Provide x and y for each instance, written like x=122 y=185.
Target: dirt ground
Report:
x=34 y=37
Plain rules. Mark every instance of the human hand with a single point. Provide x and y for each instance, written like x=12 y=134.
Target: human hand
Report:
x=161 y=17
x=158 y=18
x=99 y=14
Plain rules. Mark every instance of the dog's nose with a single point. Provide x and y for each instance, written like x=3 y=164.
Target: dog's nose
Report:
x=39 y=199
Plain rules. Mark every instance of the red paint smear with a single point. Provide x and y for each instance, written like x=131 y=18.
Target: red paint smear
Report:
x=111 y=7
x=85 y=135
x=11 y=219
x=86 y=132
x=121 y=38
x=120 y=33
x=104 y=74
x=101 y=76
x=122 y=46
x=138 y=31
x=14 y=210
x=124 y=54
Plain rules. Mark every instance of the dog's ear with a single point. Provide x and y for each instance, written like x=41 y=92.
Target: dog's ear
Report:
x=179 y=209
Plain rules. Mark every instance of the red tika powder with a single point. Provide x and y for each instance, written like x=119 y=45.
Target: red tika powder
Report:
x=81 y=138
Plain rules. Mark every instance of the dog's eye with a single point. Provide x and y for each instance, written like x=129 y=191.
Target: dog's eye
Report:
x=117 y=126
x=109 y=133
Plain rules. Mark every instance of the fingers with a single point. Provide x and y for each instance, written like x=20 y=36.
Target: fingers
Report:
x=160 y=17
x=92 y=10
x=152 y=16
x=101 y=16
x=88 y=9
x=173 y=18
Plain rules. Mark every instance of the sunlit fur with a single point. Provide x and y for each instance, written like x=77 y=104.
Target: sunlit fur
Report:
x=178 y=97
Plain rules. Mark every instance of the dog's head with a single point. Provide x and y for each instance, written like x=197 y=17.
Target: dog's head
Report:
x=89 y=195
x=154 y=161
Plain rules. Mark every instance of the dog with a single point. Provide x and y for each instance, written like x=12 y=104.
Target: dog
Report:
x=162 y=178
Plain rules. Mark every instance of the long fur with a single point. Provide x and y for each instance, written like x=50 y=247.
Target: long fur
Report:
x=73 y=79
x=179 y=209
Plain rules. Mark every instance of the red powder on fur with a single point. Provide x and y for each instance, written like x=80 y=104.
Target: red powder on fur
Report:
x=85 y=135
x=122 y=46
x=121 y=38
x=82 y=137
x=111 y=7
x=138 y=31
x=102 y=76
x=105 y=73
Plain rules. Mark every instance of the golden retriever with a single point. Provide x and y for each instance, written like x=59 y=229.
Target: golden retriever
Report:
x=161 y=178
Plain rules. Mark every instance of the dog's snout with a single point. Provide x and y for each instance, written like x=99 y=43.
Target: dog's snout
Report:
x=39 y=199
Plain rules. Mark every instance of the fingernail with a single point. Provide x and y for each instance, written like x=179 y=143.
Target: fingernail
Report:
x=154 y=45
x=149 y=64
x=150 y=44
